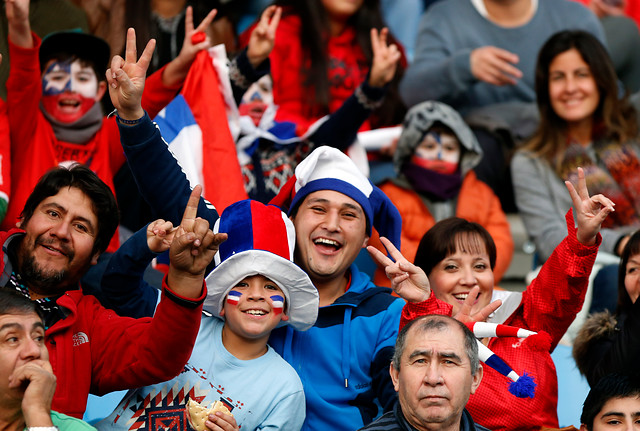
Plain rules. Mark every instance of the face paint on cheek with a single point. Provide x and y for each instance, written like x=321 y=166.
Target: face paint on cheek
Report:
x=440 y=166
x=277 y=304
x=233 y=297
x=57 y=78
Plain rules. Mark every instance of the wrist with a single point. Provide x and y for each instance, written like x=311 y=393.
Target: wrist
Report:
x=128 y=117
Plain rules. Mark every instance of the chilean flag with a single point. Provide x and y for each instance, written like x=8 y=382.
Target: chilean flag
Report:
x=196 y=128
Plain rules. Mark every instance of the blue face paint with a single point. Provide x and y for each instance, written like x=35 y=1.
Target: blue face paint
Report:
x=57 y=78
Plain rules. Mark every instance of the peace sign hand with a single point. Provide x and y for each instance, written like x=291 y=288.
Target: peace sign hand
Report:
x=407 y=280
x=590 y=211
x=126 y=78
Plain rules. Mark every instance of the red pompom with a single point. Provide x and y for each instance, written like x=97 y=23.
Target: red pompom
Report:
x=540 y=342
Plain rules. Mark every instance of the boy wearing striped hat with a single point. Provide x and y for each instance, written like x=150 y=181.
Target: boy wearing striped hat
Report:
x=254 y=288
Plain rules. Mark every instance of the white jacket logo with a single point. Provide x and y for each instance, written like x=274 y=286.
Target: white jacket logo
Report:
x=80 y=338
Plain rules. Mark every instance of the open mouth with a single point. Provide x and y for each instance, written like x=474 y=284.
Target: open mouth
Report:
x=461 y=297
x=328 y=243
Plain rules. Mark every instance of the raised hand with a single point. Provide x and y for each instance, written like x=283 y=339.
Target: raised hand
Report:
x=18 y=22
x=194 y=244
x=464 y=314
x=494 y=65
x=590 y=211
x=385 y=58
x=160 y=235
x=37 y=375
x=407 y=280
x=126 y=78
x=195 y=39
x=263 y=36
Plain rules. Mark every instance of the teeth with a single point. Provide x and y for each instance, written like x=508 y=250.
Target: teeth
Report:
x=256 y=312
x=461 y=296
x=327 y=242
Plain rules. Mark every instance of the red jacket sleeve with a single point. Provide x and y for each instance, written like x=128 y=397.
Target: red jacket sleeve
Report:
x=137 y=352
x=156 y=95
x=412 y=310
x=556 y=295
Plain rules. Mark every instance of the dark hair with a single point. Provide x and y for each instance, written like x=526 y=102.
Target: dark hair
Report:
x=436 y=322
x=11 y=302
x=608 y=387
x=449 y=235
x=615 y=116
x=313 y=38
x=632 y=248
x=81 y=177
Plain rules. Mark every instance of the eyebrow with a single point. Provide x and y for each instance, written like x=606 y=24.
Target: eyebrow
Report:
x=619 y=414
x=326 y=201
x=64 y=210
x=15 y=325
x=441 y=355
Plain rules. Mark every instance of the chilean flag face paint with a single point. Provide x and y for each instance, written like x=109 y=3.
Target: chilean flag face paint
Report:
x=277 y=304
x=233 y=297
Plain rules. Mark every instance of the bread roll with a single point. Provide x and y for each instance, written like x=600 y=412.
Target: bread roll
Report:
x=197 y=414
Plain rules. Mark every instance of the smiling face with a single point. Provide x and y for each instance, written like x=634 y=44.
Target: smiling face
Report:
x=253 y=308
x=632 y=277
x=70 y=89
x=434 y=380
x=452 y=278
x=58 y=246
x=21 y=341
x=330 y=231
x=617 y=414
x=573 y=91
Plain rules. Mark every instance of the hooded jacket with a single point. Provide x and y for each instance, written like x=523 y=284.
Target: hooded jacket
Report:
x=343 y=360
x=608 y=343
x=475 y=201
x=93 y=350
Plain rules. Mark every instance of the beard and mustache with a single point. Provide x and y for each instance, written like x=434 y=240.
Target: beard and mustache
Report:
x=45 y=281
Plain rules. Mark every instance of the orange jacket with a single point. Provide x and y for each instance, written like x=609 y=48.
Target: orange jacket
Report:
x=476 y=203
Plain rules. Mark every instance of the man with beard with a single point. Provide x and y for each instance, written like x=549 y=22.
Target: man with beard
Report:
x=67 y=222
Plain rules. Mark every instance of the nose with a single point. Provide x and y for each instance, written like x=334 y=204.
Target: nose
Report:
x=30 y=349
x=570 y=85
x=332 y=221
x=255 y=292
x=468 y=277
x=433 y=374
x=61 y=230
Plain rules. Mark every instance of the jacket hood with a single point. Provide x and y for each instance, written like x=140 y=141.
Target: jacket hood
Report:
x=417 y=123
x=597 y=327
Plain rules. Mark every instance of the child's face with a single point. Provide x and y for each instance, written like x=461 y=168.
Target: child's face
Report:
x=70 y=89
x=254 y=307
x=453 y=278
x=438 y=151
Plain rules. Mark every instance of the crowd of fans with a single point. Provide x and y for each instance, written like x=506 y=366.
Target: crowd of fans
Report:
x=186 y=192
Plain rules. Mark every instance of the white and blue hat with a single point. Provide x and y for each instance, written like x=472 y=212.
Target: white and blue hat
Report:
x=328 y=168
x=261 y=240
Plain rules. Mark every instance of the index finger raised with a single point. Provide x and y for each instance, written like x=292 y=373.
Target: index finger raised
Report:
x=191 y=211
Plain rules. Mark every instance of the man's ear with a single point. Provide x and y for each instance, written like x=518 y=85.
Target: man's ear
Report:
x=284 y=317
x=477 y=378
x=19 y=223
x=394 y=376
x=365 y=242
x=94 y=258
x=102 y=88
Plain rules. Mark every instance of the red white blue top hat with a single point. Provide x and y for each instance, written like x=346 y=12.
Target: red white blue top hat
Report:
x=328 y=168
x=261 y=240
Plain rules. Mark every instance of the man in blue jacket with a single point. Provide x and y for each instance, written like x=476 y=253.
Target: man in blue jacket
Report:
x=343 y=360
